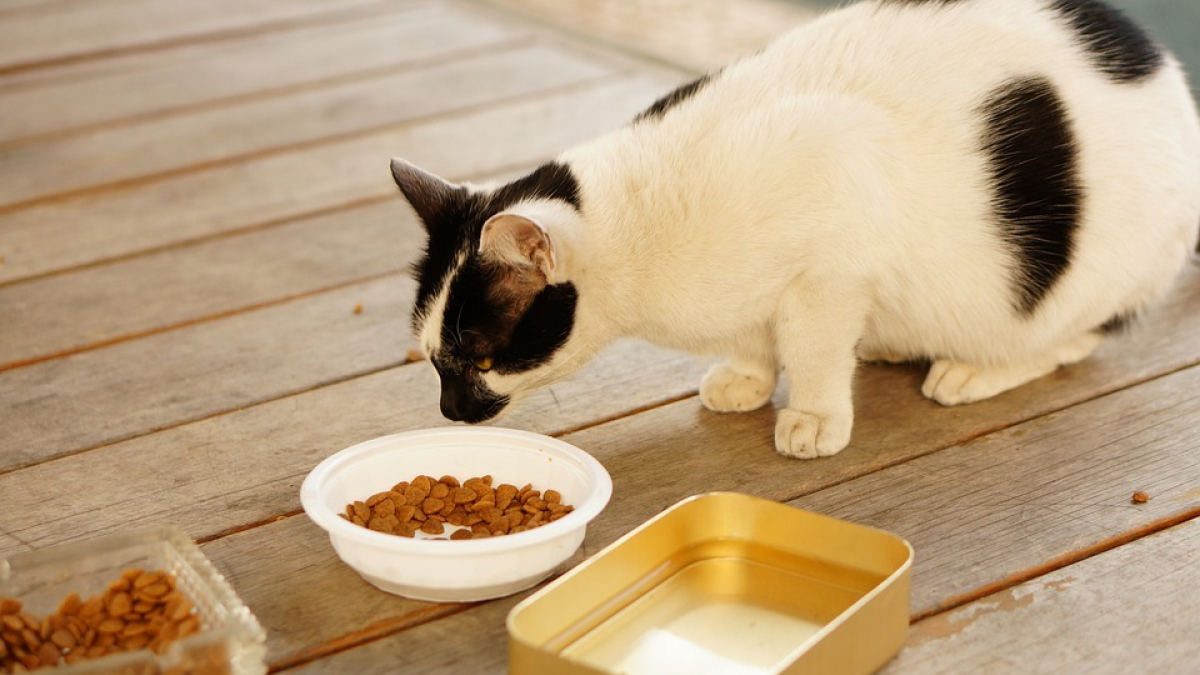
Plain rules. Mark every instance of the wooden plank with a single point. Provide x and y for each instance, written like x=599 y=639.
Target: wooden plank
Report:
x=260 y=65
x=132 y=388
x=1129 y=610
x=473 y=641
x=327 y=606
x=98 y=305
x=83 y=230
x=258 y=128
x=12 y=6
x=895 y=423
x=253 y=461
x=61 y=406
x=78 y=30
x=245 y=466
x=731 y=453
x=239 y=55
x=1024 y=495
x=996 y=509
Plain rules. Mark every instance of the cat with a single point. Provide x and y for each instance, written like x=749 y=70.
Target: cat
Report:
x=992 y=185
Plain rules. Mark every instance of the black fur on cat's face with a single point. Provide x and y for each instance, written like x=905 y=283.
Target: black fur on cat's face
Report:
x=487 y=313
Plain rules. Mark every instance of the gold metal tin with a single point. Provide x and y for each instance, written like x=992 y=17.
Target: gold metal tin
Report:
x=723 y=583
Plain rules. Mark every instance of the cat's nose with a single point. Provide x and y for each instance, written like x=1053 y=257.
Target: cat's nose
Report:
x=455 y=401
x=462 y=402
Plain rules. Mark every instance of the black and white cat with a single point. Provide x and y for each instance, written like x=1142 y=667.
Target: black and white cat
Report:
x=990 y=184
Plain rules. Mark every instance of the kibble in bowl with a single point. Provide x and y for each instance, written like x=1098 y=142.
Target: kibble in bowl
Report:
x=426 y=567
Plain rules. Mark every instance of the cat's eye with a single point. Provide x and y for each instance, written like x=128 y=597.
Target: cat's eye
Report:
x=484 y=364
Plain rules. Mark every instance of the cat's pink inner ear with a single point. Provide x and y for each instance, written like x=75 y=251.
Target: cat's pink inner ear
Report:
x=518 y=241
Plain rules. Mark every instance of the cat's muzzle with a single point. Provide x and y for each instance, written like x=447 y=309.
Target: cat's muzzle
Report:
x=469 y=400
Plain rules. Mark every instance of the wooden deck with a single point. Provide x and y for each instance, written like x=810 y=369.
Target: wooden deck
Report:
x=194 y=198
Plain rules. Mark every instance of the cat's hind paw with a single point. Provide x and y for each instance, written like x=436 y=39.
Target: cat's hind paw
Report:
x=806 y=436
x=953 y=383
x=726 y=389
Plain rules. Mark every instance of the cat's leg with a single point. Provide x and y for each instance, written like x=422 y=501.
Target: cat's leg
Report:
x=740 y=384
x=877 y=354
x=951 y=383
x=818 y=325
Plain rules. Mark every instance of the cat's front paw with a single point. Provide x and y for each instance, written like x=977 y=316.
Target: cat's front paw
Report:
x=805 y=436
x=725 y=389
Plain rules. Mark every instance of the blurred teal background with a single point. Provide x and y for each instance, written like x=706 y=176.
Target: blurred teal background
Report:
x=1175 y=23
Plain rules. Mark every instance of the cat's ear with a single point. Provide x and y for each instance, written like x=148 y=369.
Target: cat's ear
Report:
x=426 y=192
x=518 y=242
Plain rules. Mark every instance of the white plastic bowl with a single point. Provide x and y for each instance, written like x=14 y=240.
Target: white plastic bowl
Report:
x=456 y=571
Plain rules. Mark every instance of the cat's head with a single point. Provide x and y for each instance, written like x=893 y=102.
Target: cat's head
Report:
x=495 y=308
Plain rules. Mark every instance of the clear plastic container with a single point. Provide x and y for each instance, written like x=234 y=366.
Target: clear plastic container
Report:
x=230 y=642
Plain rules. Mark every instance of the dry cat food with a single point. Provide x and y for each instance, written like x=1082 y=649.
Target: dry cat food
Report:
x=141 y=610
x=1139 y=497
x=474 y=507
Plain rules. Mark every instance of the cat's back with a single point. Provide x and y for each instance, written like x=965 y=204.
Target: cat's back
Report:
x=899 y=50
x=1048 y=141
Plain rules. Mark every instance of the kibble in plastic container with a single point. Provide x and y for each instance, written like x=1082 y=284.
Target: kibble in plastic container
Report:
x=229 y=640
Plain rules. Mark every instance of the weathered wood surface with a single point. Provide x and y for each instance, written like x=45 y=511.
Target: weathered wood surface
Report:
x=977 y=514
x=79 y=29
x=313 y=340
x=255 y=128
x=1132 y=608
x=92 y=227
x=178 y=343
x=41 y=304
x=247 y=465
x=251 y=66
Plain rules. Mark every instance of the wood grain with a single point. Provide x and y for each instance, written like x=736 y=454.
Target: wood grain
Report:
x=1128 y=610
x=78 y=29
x=64 y=312
x=246 y=466
x=1029 y=493
x=100 y=305
x=133 y=388
x=1042 y=491
x=254 y=129
x=209 y=293
x=89 y=228
x=44 y=101
x=1030 y=483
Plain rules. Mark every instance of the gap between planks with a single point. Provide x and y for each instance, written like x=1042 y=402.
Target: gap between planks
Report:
x=195 y=321
x=388 y=628
x=1055 y=564
x=371 y=633
x=203 y=418
x=268 y=93
x=228 y=234
x=220 y=35
x=137 y=181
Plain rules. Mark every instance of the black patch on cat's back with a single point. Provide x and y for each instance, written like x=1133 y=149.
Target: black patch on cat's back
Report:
x=679 y=95
x=553 y=180
x=1119 y=323
x=1118 y=47
x=1033 y=175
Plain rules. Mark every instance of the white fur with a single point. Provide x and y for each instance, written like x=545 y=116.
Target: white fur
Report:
x=430 y=335
x=829 y=194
